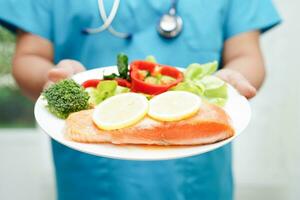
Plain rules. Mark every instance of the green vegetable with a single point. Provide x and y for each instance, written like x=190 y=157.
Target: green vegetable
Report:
x=151 y=58
x=189 y=86
x=104 y=90
x=111 y=76
x=120 y=90
x=151 y=80
x=144 y=73
x=217 y=101
x=214 y=87
x=165 y=80
x=197 y=71
x=198 y=79
x=123 y=69
x=215 y=90
x=158 y=79
x=65 y=97
x=122 y=63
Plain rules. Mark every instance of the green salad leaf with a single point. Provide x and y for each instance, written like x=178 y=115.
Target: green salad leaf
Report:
x=120 y=90
x=214 y=87
x=197 y=71
x=215 y=90
x=104 y=90
x=189 y=86
x=217 y=101
x=199 y=80
x=151 y=58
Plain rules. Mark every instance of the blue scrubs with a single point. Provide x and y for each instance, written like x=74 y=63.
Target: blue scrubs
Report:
x=207 y=25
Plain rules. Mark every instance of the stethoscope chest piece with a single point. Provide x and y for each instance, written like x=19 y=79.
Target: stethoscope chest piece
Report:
x=170 y=24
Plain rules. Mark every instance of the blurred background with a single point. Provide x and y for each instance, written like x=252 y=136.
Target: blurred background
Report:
x=266 y=156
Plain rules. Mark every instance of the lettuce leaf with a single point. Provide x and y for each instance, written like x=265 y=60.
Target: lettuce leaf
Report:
x=104 y=90
x=151 y=58
x=199 y=80
x=197 y=71
x=189 y=86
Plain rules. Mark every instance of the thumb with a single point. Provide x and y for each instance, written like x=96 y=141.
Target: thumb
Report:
x=238 y=81
x=65 y=69
x=243 y=86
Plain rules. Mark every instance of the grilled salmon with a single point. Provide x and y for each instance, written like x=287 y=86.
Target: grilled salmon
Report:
x=211 y=124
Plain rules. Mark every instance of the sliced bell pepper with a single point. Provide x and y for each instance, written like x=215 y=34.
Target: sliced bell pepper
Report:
x=90 y=83
x=139 y=85
x=123 y=82
x=94 y=82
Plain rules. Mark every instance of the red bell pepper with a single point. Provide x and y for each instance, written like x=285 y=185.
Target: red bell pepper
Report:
x=123 y=82
x=95 y=82
x=138 y=84
x=90 y=83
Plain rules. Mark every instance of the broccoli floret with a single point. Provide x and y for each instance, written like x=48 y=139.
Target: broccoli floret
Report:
x=65 y=97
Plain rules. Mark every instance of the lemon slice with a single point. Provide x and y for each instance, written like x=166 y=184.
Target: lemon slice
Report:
x=174 y=106
x=120 y=111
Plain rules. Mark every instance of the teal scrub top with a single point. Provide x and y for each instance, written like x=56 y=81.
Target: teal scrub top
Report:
x=207 y=25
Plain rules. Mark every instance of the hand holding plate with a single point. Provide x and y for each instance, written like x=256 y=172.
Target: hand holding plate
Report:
x=238 y=81
x=64 y=69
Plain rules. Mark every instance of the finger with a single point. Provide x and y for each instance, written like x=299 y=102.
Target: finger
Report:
x=58 y=74
x=65 y=69
x=242 y=85
x=246 y=90
x=72 y=64
x=77 y=66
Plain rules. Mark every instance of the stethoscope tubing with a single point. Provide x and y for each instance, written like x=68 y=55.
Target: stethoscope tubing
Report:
x=108 y=20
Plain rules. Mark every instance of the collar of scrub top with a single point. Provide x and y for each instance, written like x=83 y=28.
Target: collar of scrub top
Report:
x=169 y=26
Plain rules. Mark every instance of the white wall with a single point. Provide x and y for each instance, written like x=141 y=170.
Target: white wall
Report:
x=267 y=156
x=26 y=170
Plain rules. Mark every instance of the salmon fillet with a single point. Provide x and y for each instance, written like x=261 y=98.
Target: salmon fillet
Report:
x=211 y=124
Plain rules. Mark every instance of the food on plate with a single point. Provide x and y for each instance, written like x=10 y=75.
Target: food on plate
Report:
x=104 y=90
x=120 y=111
x=215 y=90
x=199 y=80
x=93 y=83
x=151 y=58
x=66 y=97
x=197 y=71
x=122 y=64
x=174 y=106
x=145 y=103
x=209 y=125
x=151 y=78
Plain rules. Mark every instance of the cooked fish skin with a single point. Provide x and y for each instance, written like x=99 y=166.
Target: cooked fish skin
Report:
x=210 y=125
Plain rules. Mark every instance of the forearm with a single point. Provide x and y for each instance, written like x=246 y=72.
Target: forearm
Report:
x=250 y=66
x=30 y=72
x=32 y=61
x=243 y=63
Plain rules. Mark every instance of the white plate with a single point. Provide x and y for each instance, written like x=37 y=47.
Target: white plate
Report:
x=237 y=107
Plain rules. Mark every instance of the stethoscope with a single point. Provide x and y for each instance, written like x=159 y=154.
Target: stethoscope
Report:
x=169 y=26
